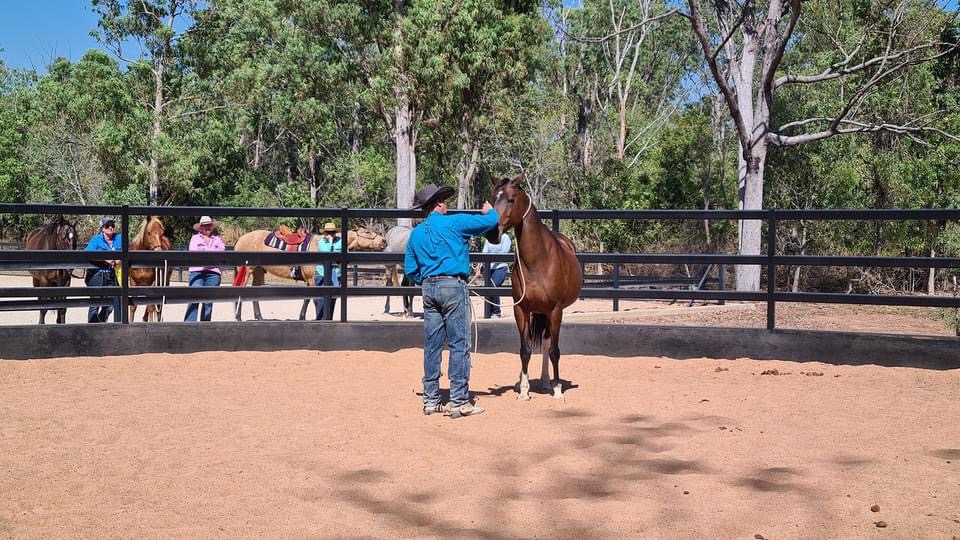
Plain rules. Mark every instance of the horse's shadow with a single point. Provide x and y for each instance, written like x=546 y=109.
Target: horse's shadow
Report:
x=535 y=388
x=498 y=391
x=402 y=315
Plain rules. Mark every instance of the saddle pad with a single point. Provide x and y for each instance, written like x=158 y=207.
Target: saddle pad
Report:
x=275 y=241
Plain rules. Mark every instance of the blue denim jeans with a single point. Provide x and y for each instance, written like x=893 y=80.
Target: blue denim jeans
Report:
x=497 y=277
x=103 y=278
x=202 y=279
x=446 y=316
x=322 y=301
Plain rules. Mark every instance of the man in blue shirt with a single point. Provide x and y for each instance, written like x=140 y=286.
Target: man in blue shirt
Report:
x=437 y=259
x=107 y=239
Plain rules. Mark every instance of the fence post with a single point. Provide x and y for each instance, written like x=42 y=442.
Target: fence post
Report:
x=124 y=303
x=616 y=285
x=344 y=235
x=487 y=308
x=556 y=220
x=771 y=269
x=723 y=279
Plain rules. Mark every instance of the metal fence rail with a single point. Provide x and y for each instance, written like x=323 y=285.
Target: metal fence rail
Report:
x=771 y=261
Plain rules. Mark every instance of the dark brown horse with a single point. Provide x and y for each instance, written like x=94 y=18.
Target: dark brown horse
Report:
x=59 y=235
x=150 y=237
x=546 y=279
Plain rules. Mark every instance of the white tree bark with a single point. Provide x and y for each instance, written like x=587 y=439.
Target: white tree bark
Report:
x=744 y=38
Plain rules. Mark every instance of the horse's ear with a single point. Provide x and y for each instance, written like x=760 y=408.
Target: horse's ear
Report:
x=519 y=178
x=494 y=180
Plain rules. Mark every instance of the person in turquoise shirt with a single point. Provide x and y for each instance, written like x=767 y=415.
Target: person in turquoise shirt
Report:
x=438 y=259
x=330 y=242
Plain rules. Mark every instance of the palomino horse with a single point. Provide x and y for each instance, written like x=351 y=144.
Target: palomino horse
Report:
x=358 y=239
x=397 y=243
x=150 y=237
x=546 y=279
x=59 y=235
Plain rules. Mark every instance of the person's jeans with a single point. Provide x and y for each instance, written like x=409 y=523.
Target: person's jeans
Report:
x=202 y=279
x=103 y=278
x=497 y=277
x=322 y=302
x=446 y=315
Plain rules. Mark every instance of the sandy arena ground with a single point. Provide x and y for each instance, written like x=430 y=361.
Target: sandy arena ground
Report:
x=333 y=445
x=301 y=444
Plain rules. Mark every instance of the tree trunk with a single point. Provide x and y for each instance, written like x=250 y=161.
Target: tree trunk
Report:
x=314 y=184
x=748 y=275
x=406 y=161
x=404 y=129
x=154 y=172
x=467 y=167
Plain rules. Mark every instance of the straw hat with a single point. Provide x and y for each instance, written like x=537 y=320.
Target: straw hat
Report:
x=206 y=220
x=330 y=227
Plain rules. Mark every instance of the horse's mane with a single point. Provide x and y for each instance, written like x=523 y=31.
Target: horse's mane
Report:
x=50 y=228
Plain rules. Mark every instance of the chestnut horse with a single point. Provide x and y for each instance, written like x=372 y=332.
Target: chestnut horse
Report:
x=150 y=237
x=546 y=279
x=59 y=235
x=359 y=238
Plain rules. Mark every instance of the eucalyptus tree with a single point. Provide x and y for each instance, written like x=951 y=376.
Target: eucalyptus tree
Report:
x=82 y=132
x=11 y=136
x=155 y=27
x=872 y=44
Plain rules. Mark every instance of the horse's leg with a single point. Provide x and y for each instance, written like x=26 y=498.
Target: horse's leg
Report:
x=407 y=300
x=258 y=278
x=43 y=312
x=62 y=316
x=545 y=366
x=555 y=318
x=523 y=324
x=303 y=309
x=389 y=283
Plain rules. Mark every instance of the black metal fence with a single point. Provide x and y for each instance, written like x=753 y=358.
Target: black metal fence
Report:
x=771 y=260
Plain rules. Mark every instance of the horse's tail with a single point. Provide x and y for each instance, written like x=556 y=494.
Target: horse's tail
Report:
x=240 y=277
x=537 y=330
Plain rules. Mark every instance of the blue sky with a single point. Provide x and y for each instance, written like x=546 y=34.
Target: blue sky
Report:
x=34 y=32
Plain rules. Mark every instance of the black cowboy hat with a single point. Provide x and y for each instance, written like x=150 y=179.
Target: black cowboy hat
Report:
x=429 y=195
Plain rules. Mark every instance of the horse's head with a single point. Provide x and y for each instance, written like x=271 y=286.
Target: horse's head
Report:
x=511 y=204
x=65 y=234
x=368 y=239
x=151 y=237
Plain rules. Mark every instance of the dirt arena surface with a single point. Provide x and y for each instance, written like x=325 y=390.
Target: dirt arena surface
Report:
x=300 y=444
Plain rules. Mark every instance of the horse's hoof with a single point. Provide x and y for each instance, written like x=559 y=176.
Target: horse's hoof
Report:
x=523 y=397
x=558 y=396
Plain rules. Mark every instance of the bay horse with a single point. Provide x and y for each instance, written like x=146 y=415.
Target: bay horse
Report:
x=150 y=237
x=545 y=279
x=358 y=239
x=59 y=235
x=397 y=243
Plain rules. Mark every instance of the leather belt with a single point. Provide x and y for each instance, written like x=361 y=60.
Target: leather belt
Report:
x=460 y=277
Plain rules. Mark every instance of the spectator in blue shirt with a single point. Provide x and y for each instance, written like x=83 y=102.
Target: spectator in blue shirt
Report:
x=330 y=242
x=437 y=258
x=498 y=270
x=107 y=239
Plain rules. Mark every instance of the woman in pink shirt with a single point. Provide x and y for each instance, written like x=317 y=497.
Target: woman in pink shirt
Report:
x=204 y=276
